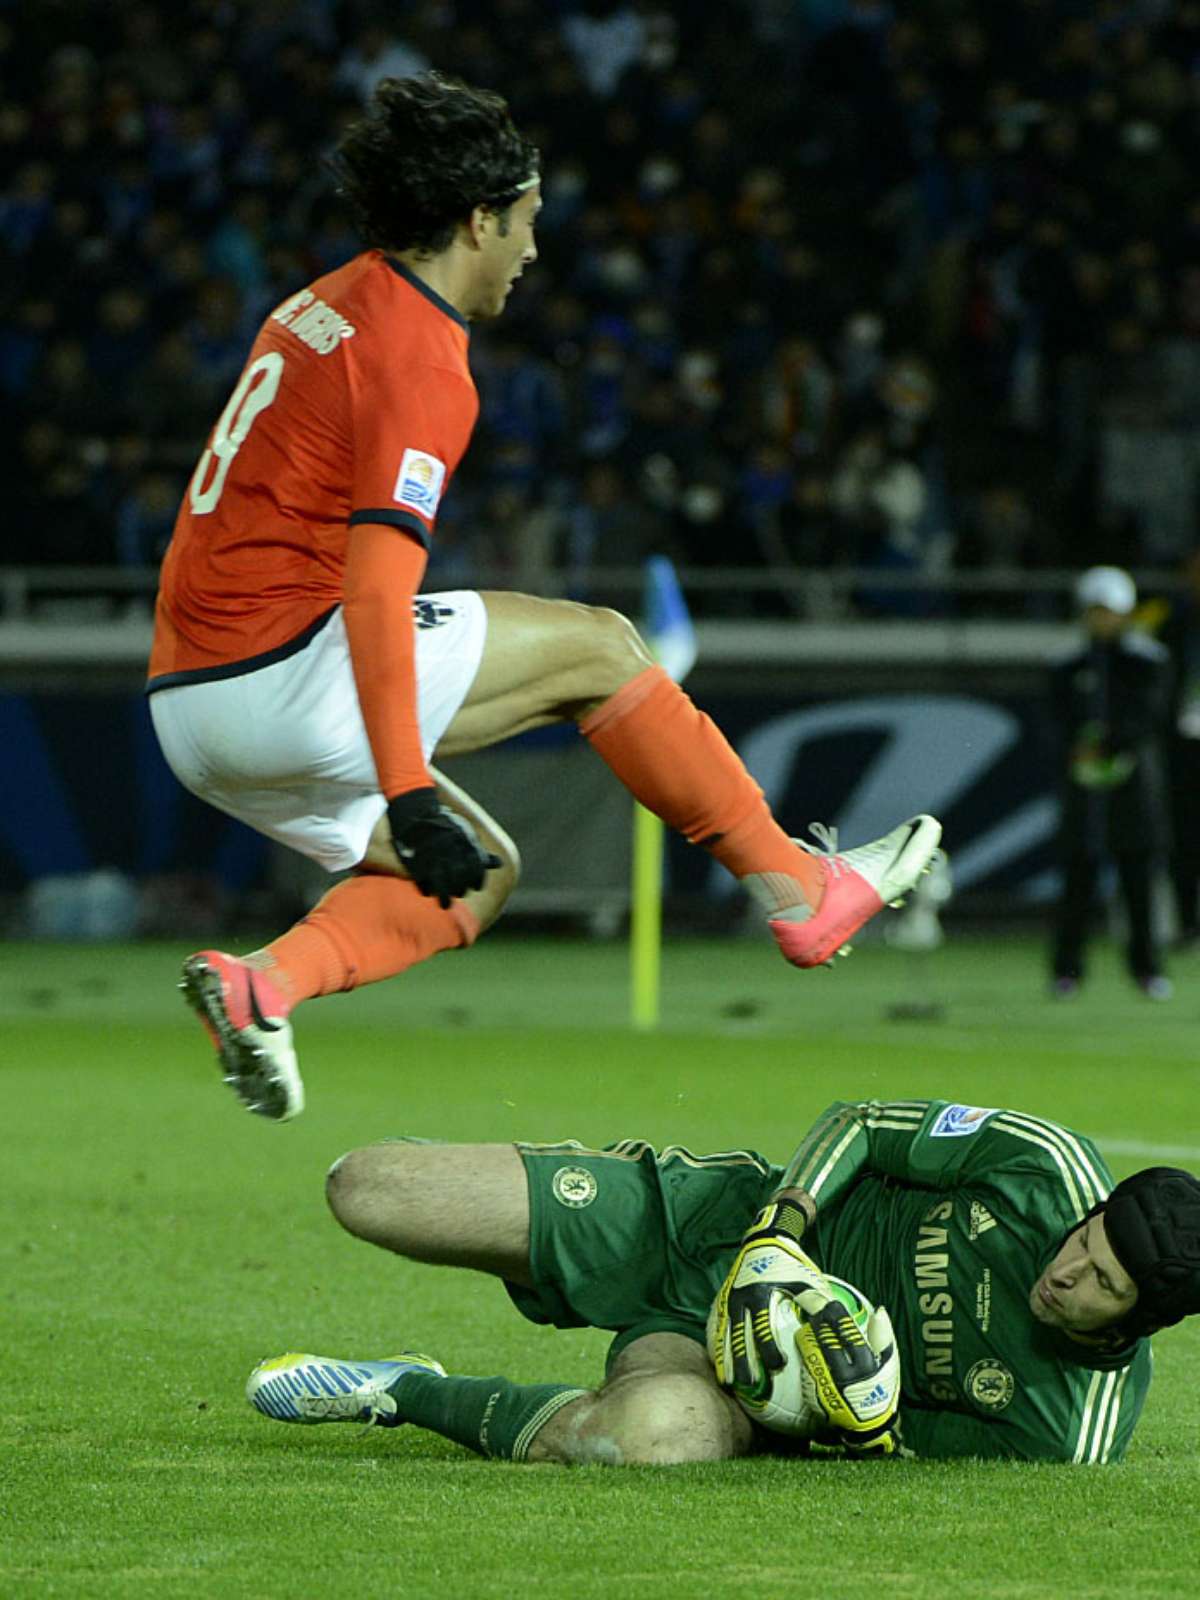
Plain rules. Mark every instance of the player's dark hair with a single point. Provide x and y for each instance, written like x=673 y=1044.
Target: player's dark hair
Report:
x=1152 y=1222
x=428 y=150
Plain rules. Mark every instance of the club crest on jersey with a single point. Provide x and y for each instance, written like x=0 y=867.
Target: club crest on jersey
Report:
x=953 y=1122
x=574 y=1187
x=419 y=482
x=990 y=1384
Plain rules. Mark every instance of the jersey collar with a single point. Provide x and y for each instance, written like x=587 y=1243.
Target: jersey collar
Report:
x=1096 y=1357
x=431 y=295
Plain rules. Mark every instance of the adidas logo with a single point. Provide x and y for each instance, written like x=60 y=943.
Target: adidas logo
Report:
x=981 y=1219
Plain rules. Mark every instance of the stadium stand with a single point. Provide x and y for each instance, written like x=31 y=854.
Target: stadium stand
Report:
x=926 y=301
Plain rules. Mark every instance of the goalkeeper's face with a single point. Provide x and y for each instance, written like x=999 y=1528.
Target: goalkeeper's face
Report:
x=1085 y=1288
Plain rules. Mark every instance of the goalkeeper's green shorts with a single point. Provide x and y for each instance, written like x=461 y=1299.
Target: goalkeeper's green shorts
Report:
x=634 y=1239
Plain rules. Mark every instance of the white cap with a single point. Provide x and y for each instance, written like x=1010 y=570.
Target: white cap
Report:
x=1111 y=587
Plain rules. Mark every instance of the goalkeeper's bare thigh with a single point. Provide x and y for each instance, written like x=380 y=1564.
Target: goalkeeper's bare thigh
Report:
x=453 y=1205
x=625 y=1238
x=660 y=1405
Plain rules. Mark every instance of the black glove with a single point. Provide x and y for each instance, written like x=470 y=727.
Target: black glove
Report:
x=441 y=850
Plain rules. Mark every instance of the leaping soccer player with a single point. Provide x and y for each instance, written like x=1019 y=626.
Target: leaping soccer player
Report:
x=297 y=681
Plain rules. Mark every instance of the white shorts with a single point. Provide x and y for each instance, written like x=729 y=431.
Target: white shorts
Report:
x=284 y=748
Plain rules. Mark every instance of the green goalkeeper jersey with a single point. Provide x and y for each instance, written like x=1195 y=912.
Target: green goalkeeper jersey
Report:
x=946 y=1214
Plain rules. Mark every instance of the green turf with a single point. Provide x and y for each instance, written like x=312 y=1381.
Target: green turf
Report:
x=158 y=1241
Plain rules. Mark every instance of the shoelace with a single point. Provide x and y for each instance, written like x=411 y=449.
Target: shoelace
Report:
x=325 y=1405
x=374 y=1416
x=826 y=837
x=825 y=847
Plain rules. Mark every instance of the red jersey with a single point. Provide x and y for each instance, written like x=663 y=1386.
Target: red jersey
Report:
x=355 y=407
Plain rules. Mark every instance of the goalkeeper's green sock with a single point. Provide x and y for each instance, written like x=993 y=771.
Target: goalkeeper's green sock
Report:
x=492 y=1416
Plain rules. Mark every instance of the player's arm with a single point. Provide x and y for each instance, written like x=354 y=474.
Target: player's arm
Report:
x=770 y=1260
x=955 y=1436
x=384 y=566
x=848 y=1141
x=1087 y=1422
x=855 y=1372
x=937 y=1144
x=407 y=438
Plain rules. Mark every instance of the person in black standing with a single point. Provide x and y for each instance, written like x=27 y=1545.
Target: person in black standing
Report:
x=1110 y=702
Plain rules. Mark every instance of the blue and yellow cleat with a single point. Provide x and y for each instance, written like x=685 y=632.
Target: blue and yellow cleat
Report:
x=304 y=1388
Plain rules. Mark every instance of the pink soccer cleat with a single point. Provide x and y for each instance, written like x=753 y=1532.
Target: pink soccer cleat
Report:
x=245 y=1014
x=858 y=883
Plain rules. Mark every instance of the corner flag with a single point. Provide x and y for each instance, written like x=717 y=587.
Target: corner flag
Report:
x=668 y=624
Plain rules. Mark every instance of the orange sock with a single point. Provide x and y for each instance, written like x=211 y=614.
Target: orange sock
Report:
x=367 y=927
x=678 y=763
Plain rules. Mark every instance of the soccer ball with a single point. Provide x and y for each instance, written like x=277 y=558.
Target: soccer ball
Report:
x=790 y=1406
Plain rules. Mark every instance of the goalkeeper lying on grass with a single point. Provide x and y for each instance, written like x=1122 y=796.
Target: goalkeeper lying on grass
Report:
x=1021 y=1290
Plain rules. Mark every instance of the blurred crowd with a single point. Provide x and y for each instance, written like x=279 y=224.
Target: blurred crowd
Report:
x=909 y=287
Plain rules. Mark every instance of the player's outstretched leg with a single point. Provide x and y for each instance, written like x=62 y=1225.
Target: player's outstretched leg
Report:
x=659 y=1405
x=306 y=1388
x=553 y=660
x=858 y=883
x=678 y=762
x=491 y=1416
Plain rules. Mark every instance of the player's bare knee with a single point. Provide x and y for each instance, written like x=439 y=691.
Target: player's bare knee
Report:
x=600 y=648
x=364 y=1190
x=606 y=651
x=343 y=1186
x=660 y=1419
x=618 y=645
x=680 y=1417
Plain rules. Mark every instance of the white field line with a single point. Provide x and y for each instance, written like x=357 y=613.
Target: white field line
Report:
x=1154 y=1152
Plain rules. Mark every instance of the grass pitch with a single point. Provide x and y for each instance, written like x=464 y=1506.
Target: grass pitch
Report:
x=157 y=1241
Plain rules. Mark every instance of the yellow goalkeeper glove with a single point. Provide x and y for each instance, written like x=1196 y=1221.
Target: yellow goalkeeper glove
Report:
x=770 y=1259
x=856 y=1373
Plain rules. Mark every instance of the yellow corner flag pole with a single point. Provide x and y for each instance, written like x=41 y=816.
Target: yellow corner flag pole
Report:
x=670 y=634
x=645 y=919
